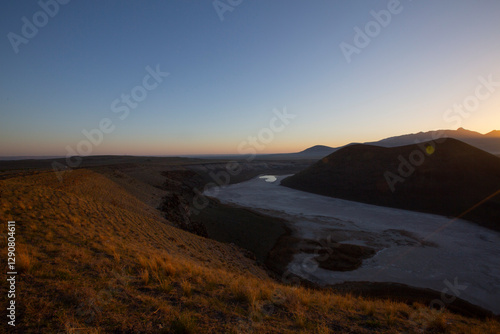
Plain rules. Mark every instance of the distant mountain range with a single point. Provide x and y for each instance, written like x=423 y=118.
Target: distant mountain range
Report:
x=489 y=142
x=448 y=178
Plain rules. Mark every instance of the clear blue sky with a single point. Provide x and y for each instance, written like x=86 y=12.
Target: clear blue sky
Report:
x=227 y=76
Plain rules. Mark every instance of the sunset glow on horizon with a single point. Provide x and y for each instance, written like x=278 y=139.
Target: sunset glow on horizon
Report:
x=181 y=78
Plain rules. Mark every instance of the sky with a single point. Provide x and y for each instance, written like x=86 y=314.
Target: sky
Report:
x=221 y=77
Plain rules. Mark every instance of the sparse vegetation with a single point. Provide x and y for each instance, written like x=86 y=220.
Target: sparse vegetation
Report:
x=95 y=259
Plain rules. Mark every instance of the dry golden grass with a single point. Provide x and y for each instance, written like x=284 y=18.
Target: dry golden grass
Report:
x=25 y=259
x=94 y=259
x=144 y=275
x=438 y=324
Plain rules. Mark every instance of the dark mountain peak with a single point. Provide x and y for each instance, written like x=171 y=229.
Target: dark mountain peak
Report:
x=358 y=147
x=317 y=148
x=461 y=132
x=446 y=177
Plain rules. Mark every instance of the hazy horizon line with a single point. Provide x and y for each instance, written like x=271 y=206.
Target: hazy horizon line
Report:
x=198 y=155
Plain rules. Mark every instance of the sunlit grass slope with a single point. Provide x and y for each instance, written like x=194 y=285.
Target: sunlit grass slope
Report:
x=94 y=259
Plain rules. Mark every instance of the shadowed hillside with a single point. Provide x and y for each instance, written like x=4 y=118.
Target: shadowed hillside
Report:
x=93 y=258
x=448 y=178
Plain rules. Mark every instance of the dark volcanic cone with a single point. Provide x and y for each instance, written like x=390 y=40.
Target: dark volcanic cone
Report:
x=447 y=178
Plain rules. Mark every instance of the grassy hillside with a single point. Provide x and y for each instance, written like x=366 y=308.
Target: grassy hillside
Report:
x=93 y=258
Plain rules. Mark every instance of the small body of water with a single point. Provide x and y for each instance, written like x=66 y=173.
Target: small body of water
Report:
x=268 y=178
x=455 y=251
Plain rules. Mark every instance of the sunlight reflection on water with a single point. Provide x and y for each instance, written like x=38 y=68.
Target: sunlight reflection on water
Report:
x=268 y=178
